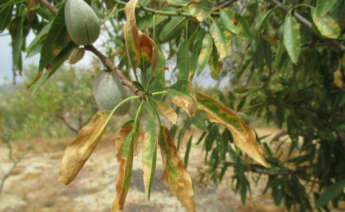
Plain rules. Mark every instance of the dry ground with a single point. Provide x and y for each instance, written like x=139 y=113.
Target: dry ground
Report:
x=34 y=186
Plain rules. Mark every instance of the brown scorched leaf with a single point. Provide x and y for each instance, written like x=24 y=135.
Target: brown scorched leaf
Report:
x=77 y=153
x=186 y=102
x=244 y=138
x=175 y=175
x=167 y=111
x=126 y=142
x=139 y=46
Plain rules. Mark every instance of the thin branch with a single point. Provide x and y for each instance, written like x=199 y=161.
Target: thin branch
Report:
x=279 y=135
x=225 y=4
x=270 y=172
x=80 y=120
x=49 y=6
x=10 y=151
x=62 y=118
x=309 y=25
x=14 y=165
x=158 y=12
x=112 y=67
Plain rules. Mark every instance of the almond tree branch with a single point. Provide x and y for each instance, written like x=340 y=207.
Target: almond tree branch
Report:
x=14 y=165
x=309 y=25
x=158 y=12
x=62 y=118
x=49 y=6
x=106 y=62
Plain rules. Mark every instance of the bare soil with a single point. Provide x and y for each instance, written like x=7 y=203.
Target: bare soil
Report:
x=34 y=187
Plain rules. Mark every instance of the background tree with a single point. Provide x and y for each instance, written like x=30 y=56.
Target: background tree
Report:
x=285 y=61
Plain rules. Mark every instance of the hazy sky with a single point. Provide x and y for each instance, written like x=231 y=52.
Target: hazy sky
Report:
x=6 y=57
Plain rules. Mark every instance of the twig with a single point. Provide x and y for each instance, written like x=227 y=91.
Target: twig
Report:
x=158 y=12
x=270 y=172
x=309 y=25
x=62 y=118
x=225 y=4
x=279 y=135
x=49 y=6
x=14 y=165
x=112 y=67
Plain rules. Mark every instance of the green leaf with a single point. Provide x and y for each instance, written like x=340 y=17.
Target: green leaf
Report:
x=201 y=9
x=205 y=53
x=245 y=26
x=150 y=149
x=56 y=40
x=292 y=37
x=216 y=66
x=262 y=20
x=183 y=61
x=331 y=193
x=18 y=39
x=5 y=14
x=221 y=39
x=39 y=38
x=228 y=17
x=186 y=155
x=326 y=25
x=172 y=28
x=53 y=66
x=323 y=6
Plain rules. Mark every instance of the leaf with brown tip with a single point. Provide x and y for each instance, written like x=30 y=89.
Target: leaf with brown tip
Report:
x=167 y=111
x=139 y=46
x=175 y=175
x=183 y=100
x=244 y=138
x=126 y=142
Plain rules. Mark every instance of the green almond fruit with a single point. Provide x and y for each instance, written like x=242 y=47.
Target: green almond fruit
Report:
x=108 y=92
x=82 y=22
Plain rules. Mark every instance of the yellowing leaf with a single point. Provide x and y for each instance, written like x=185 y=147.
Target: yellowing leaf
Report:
x=216 y=66
x=139 y=46
x=201 y=9
x=327 y=26
x=125 y=142
x=167 y=111
x=184 y=101
x=150 y=150
x=175 y=175
x=221 y=39
x=244 y=138
x=77 y=153
x=205 y=53
x=338 y=79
